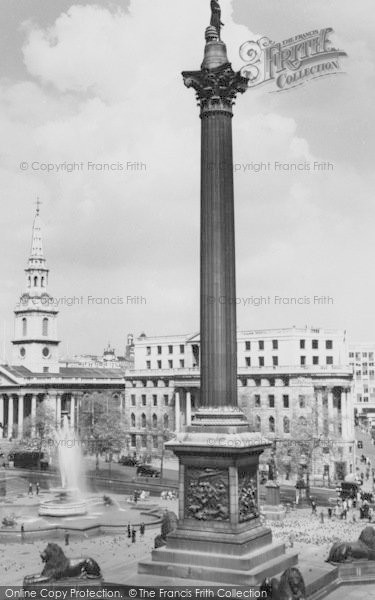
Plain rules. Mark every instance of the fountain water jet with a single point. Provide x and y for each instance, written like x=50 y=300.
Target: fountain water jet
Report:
x=68 y=499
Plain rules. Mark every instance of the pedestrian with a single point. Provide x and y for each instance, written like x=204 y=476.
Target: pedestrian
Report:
x=66 y=538
x=322 y=517
x=313 y=507
x=129 y=531
x=329 y=512
x=37 y=488
x=134 y=535
x=22 y=533
x=291 y=540
x=30 y=488
x=142 y=529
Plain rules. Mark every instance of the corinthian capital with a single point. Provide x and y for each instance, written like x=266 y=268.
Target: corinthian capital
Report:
x=218 y=86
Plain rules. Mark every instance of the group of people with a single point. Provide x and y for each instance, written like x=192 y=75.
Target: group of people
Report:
x=346 y=507
x=168 y=495
x=132 y=532
x=139 y=495
x=31 y=488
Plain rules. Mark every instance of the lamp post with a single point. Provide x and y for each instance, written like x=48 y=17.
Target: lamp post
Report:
x=304 y=463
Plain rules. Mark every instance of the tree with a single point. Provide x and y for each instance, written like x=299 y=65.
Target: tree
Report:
x=102 y=425
x=298 y=455
x=38 y=431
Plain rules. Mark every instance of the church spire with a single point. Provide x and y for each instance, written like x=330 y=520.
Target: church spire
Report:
x=36 y=251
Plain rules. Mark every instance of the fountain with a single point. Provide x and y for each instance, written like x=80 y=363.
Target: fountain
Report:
x=68 y=499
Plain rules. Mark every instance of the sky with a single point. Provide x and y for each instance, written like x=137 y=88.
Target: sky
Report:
x=100 y=82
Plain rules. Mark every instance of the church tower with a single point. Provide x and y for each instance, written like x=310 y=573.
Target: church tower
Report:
x=35 y=343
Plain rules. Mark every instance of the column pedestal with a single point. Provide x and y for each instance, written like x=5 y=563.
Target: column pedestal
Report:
x=273 y=510
x=221 y=539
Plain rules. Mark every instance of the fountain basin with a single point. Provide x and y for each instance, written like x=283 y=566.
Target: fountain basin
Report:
x=66 y=503
x=56 y=508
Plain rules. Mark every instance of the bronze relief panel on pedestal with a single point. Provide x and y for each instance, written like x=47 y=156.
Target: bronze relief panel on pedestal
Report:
x=206 y=494
x=247 y=495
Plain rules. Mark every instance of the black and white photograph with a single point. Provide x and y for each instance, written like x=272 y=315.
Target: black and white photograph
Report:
x=187 y=324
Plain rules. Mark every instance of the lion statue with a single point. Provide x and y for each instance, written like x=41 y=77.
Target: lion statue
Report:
x=58 y=566
x=362 y=549
x=290 y=587
x=168 y=524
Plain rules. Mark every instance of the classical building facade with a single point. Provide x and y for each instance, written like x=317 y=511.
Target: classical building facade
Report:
x=362 y=361
x=36 y=376
x=293 y=384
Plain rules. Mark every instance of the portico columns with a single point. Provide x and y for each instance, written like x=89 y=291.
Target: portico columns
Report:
x=10 y=416
x=72 y=412
x=331 y=425
x=58 y=410
x=188 y=409
x=177 y=410
x=33 y=413
x=319 y=409
x=2 y=416
x=20 y=415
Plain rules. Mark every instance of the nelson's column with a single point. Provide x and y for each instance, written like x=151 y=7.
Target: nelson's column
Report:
x=219 y=537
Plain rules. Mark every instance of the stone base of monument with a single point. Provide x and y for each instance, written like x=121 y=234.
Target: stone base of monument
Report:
x=71 y=582
x=219 y=536
x=273 y=510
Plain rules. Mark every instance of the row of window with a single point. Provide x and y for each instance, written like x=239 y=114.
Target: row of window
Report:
x=271 y=400
x=302 y=422
x=35 y=281
x=171 y=365
x=133 y=400
x=154 y=421
x=143 y=441
x=364 y=355
x=171 y=349
x=302 y=344
x=44 y=326
x=275 y=361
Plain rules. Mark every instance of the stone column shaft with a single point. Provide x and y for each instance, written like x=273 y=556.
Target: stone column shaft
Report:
x=20 y=416
x=188 y=409
x=177 y=410
x=10 y=416
x=218 y=281
x=2 y=416
x=33 y=413
x=72 y=412
x=58 y=410
x=331 y=424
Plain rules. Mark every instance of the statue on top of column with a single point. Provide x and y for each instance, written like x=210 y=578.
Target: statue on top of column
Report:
x=216 y=16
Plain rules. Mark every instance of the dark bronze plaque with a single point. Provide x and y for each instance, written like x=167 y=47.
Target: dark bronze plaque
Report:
x=206 y=494
x=247 y=495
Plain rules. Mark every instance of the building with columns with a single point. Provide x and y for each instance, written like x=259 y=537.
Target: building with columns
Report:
x=287 y=379
x=362 y=361
x=36 y=375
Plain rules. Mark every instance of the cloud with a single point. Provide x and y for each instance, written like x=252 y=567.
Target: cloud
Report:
x=104 y=85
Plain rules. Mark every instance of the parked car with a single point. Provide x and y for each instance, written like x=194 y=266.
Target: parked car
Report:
x=128 y=461
x=348 y=489
x=147 y=471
